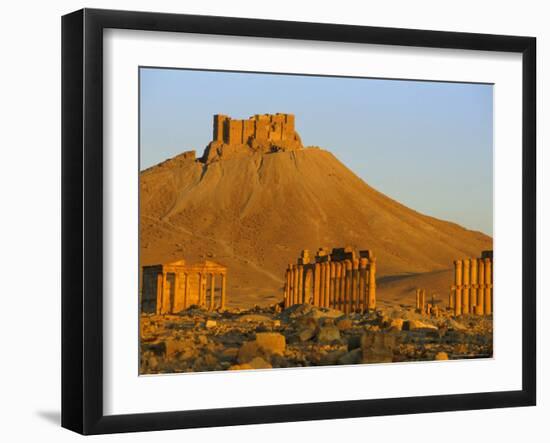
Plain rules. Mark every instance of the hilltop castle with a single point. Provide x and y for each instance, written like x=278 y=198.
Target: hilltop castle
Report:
x=259 y=133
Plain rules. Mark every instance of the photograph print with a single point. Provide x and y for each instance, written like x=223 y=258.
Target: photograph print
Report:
x=291 y=221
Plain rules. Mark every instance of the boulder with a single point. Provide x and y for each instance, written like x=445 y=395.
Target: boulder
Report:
x=239 y=367
x=175 y=346
x=417 y=325
x=306 y=334
x=397 y=324
x=248 y=351
x=254 y=318
x=271 y=342
x=344 y=324
x=455 y=326
x=328 y=334
x=441 y=356
x=318 y=313
x=210 y=324
x=351 y=358
x=377 y=347
x=259 y=363
x=332 y=357
x=229 y=354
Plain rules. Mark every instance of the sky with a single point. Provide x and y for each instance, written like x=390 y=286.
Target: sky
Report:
x=428 y=145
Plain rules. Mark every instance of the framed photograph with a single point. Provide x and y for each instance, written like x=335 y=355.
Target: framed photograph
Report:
x=268 y=221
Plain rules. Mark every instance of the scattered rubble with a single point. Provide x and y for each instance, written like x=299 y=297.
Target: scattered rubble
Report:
x=198 y=340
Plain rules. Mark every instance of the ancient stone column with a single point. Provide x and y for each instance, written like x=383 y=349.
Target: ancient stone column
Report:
x=337 y=284
x=488 y=308
x=466 y=284
x=200 y=289
x=328 y=294
x=317 y=285
x=223 y=291
x=363 y=293
x=354 y=285
x=347 y=293
x=422 y=301
x=332 y=301
x=160 y=292
x=326 y=303
x=295 y=277
x=177 y=292
x=458 y=286
x=186 y=292
x=300 y=284
x=417 y=299
x=343 y=286
x=212 y=291
x=165 y=295
x=473 y=285
x=287 y=287
x=321 y=283
x=429 y=308
x=481 y=285
x=452 y=297
x=372 y=284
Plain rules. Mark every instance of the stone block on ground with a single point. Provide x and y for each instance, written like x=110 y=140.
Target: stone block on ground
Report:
x=271 y=342
x=351 y=358
x=417 y=325
x=328 y=334
x=377 y=347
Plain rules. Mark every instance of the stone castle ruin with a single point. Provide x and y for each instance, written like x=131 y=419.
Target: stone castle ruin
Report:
x=472 y=292
x=260 y=133
x=172 y=287
x=341 y=279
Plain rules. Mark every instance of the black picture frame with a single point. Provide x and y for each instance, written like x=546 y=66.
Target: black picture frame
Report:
x=82 y=218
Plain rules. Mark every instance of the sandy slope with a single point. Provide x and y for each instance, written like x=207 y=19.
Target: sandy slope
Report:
x=395 y=290
x=255 y=213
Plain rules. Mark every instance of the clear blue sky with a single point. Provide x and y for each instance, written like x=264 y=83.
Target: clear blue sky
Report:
x=428 y=145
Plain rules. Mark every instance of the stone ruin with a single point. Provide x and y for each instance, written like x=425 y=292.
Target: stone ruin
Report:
x=172 y=287
x=341 y=279
x=260 y=133
x=472 y=292
x=426 y=308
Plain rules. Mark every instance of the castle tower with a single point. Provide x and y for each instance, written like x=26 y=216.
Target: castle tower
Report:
x=219 y=122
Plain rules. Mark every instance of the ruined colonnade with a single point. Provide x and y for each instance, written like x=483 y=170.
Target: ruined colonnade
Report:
x=340 y=280
x=472 y=292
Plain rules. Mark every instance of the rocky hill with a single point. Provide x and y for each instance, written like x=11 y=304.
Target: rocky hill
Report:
x=254 y=213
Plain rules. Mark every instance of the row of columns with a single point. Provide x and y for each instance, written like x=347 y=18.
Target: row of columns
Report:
x=348 y=285
x=472 y=292
x=169 y=295
x=206 y=280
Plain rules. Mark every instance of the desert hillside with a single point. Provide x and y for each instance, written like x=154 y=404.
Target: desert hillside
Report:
x=255 y=214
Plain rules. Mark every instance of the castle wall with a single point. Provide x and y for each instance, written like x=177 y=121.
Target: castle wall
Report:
x=248 y=130
x=261 y=130
x=235 y=132
x=262 y=127
x=219 y=123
